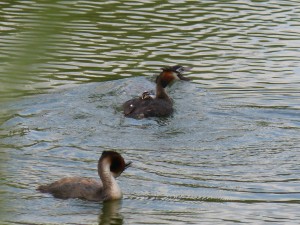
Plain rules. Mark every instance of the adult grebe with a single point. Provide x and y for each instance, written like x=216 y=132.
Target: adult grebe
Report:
x=161 y=105
x=110 y=165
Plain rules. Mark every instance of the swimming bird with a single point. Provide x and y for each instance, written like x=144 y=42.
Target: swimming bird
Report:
x=160 y=105
x=110 y=165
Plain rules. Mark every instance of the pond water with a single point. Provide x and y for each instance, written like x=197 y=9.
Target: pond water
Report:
x=229 y=153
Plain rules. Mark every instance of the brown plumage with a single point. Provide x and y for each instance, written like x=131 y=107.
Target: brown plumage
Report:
x=110 y=165
x=159 y=106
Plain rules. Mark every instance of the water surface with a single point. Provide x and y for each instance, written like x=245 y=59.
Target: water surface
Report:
x=230 y=152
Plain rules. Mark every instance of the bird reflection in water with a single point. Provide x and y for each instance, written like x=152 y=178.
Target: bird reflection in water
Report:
x=110 y=214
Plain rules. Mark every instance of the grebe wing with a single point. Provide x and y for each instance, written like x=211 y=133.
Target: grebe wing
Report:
x=130 y=106
x=73 y=187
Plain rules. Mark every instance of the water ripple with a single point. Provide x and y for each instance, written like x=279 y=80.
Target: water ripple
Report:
x=230 y=152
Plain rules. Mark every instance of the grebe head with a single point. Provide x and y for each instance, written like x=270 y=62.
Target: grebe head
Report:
x=180 y=70
x=171 y=73
x=116 y=162
x=166 y=77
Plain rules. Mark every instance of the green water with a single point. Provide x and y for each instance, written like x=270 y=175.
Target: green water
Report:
x=230 y=152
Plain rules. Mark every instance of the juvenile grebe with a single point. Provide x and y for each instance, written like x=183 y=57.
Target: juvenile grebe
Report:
x=161 y=105
x=110 y=165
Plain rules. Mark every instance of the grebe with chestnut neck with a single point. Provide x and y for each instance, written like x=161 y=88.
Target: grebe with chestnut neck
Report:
x=161 y=105
x=110 y=165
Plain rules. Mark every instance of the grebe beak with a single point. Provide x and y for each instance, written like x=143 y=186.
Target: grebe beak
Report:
x=187 y=68
x=128 y=164
x=182 y=70
x=181 y=77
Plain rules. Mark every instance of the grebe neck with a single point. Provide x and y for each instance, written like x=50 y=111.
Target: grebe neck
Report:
x=161 y=83
x=111 y=189
x=161 y=93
